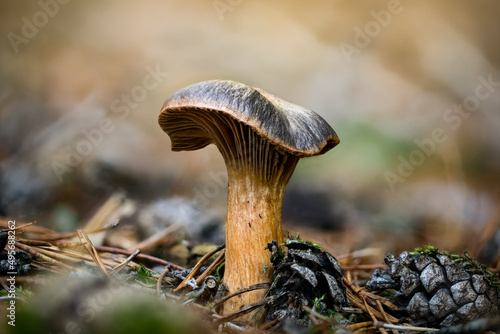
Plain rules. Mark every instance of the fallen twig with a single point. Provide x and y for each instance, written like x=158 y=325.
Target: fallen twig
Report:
x=125 y=262
x=211 y=268
x=240 y=291
x=244 y=310
x=405 y=328
x=160 y=280
x=142 y=257
x=198 y=266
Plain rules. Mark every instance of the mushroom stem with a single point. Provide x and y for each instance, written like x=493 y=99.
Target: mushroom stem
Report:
x=253 y=220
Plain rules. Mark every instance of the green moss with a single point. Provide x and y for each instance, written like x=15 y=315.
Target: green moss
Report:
x=144 y=278
x=474 y=267
x=23 y=293
x=219 y=268
x=273 y=284
x=279 y=255
x=316 y=303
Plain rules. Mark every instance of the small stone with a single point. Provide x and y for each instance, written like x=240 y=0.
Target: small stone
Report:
x=432 y=277
x=463 y=292
x=442 y=303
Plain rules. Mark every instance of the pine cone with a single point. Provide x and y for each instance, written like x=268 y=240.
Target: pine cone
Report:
x=306 y=276
x=439 y=289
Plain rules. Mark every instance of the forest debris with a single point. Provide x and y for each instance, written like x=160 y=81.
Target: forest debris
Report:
x=198 y=266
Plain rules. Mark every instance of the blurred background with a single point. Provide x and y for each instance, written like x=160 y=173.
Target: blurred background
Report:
x=411 y=87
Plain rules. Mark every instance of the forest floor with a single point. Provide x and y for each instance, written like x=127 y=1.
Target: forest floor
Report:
x=73 y=283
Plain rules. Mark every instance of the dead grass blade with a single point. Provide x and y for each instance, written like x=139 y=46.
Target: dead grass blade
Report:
x=93 y=252
x=36 y=254
x=142 y=257
x=361 y=302
x=125 y=262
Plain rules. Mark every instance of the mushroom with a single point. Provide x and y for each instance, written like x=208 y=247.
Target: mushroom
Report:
x=261 y=138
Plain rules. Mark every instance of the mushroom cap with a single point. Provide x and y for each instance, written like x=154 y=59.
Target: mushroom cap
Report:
x=292 y=128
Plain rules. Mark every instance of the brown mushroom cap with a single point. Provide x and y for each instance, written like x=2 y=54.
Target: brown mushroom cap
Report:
x=290 y=127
